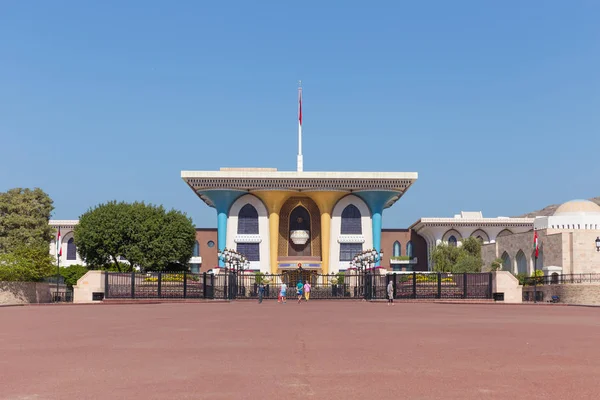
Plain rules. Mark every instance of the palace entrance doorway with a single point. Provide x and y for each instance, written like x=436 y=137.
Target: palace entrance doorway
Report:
x=299 y=235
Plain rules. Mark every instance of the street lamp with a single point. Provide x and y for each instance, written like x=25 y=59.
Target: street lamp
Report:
x=366 y=258
x=233 y=259
x=598 y=244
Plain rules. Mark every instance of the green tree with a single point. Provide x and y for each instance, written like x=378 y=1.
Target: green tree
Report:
x=445 y=257
x=467 y=263
x=27 y=262
x=147 y=236
x=24 y=217
x=472 y=246
x=464 y=258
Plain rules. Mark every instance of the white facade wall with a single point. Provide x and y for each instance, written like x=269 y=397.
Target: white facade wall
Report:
x=66 y=232
x=336 y=231
x=264 y=265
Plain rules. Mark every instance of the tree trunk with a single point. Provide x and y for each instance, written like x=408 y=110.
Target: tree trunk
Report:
x=116 y=263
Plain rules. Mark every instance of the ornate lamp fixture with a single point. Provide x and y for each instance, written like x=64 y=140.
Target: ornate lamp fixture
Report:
x=366 y=258
x=233 y=259
x=598 y=244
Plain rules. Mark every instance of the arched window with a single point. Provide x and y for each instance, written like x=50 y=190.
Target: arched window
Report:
x=71 y=250
x=521 y=263
x=409 y=250
x=196 y=249
x=506 y=262
x=452 y=241
x=397 y=250
x=248 y=220
x=351 y=224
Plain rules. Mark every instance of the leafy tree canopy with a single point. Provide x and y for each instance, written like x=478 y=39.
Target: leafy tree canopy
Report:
x=464 y=258
x=24 y=217
x=147 y=236
x=27 y=262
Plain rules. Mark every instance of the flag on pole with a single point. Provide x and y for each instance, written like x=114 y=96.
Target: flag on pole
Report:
x=535 y=244
x=300 y=107
x=58 y=244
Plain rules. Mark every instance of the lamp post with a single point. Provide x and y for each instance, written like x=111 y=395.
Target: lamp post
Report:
x=364 y=260
x=234 y=261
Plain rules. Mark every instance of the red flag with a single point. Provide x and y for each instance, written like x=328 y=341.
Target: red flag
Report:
x=58 y=244
x=535 y=244
x=300 y=108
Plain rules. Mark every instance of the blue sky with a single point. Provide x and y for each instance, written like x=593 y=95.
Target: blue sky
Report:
x=494 y=104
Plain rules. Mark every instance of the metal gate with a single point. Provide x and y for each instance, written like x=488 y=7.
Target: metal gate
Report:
x=230 y=285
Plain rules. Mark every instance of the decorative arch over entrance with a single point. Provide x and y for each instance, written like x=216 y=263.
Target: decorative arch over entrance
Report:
x=299 y=222
x=294 y=207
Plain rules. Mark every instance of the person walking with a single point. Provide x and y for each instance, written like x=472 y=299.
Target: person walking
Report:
x=283 y=292
x=390 y=293
x=261 y=291
x=307 y=291
x=299 y=288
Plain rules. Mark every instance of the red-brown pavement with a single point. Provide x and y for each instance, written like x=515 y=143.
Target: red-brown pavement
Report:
x=321 y=350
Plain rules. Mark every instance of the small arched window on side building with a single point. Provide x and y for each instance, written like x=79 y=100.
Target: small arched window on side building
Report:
x=397 y=249
x=71 y=250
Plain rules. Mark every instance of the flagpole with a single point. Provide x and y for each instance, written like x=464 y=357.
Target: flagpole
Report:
x=535 y=249
x=57 y=274
x=58 y=254
x=535 y=279
x=300 y=164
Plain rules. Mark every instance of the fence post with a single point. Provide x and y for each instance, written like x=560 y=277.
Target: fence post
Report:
x=133 y=284
x=185 y=285
x=159 y=285
x=212 y=286
x=439 y=285
x=490 y=284
x=204 y=294
x=414 y=293
x=465 y=278
x=106 y=284
x=395 y=284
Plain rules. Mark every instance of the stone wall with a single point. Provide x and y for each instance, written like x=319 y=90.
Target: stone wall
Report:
x=24 y=292
x=569 y=293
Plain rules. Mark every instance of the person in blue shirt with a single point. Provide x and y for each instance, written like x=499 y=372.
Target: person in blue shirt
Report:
x=299 y=288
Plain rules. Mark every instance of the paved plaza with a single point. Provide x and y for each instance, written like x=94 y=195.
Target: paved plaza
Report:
x=321 y=350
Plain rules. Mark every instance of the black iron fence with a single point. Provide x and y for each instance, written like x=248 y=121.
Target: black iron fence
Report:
x=558 y=279
x=247 y=285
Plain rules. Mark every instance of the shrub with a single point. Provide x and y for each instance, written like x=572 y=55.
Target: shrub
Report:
x=259 y=277
x=72 y=273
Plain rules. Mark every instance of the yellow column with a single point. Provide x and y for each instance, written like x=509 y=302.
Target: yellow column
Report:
x=325 y=201
x=273 y=201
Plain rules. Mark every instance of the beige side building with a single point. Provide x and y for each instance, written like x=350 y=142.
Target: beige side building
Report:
x=569 y=242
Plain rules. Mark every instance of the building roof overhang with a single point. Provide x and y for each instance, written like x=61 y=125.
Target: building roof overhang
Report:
x=251 y=180
x=471 y=222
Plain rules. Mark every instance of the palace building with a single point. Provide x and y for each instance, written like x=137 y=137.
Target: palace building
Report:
x=279 y=220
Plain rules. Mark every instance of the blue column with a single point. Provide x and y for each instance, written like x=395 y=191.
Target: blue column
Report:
x=222 y=201
x=376 y=200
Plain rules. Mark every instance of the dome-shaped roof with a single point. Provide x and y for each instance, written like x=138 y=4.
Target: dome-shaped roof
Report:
x=578 y=207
